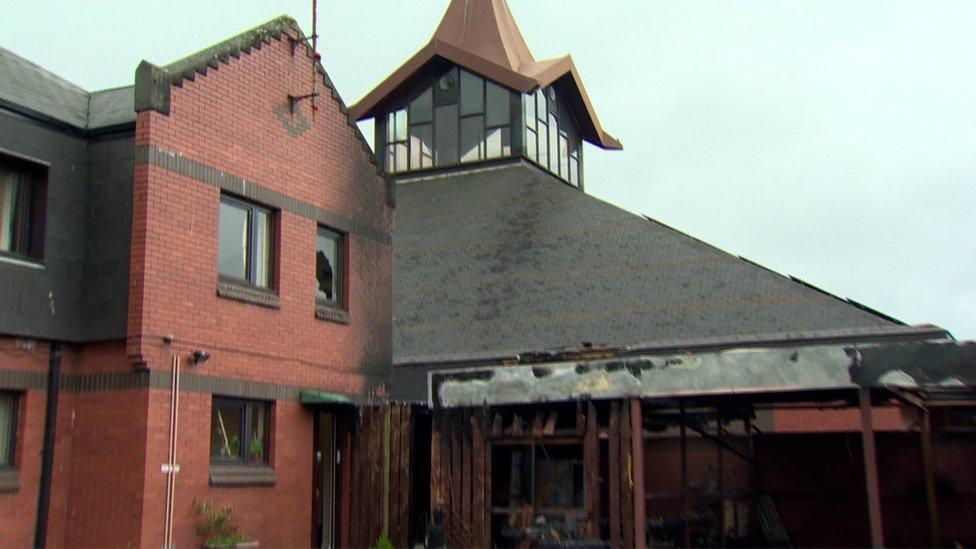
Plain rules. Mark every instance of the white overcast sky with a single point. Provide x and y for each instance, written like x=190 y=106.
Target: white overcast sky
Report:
x=831 y=140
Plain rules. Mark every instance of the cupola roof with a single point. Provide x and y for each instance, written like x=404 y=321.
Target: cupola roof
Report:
x=481 y=36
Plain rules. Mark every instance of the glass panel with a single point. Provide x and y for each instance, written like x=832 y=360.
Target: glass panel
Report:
x=499 y=142
x=8 y=202
x=422 y=108
x=262 y=248
x=472 y=138
x=553 y=144
x=257 y=436
x=540 y=108
x=543 y=145
x=472 y=94
x=226 y=424
x=401 y=125
x=390 y=158
x=563 y=155
x=499 y=106
x=446 y=134
x=391 y=127
x=328 y=267
x=232 y=259
x=530 y=144
x=528 y=110
x=400 y=151
x=574 y=171
x=421 y=146
x=6 y=429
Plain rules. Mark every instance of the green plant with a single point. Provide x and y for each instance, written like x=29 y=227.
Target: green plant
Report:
x=384 y=542
x=257 y=446
x=219 y=528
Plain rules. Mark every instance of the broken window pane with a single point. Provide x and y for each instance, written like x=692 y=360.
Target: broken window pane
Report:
x=328 y=265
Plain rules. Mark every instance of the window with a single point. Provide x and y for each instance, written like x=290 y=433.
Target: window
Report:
x=23 y=197
x=245 y=242
x=551 y=137
x=457 y=117
x=8 y=429
x=328 y=267
x=239 y=431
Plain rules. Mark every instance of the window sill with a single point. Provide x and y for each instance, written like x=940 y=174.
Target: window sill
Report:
x=331 y=313
x=9 y=481
x=241 y=475
x=21 y=261
x=248 y=294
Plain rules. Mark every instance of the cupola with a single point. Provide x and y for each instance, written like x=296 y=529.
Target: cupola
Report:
x=475 y=94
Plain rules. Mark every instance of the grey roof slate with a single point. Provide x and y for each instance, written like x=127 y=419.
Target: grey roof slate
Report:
x=501 y=262
x=28 y=87
x=111 y=108
x=33 y=87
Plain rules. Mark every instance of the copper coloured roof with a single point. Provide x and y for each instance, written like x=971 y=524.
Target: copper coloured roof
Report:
x=481 y=36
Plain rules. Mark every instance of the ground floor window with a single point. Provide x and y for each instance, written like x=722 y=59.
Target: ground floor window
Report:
x=239 y=431
x=8 y=427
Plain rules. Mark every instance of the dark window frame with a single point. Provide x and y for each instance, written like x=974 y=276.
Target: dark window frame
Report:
x=11 y=458
x=247 y=406
x=31 y=201
x=342 y=257
x=250 y=266
x=416 y=160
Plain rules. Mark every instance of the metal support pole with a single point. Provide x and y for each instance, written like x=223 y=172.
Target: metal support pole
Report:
x=870 y=467
x=640 y=490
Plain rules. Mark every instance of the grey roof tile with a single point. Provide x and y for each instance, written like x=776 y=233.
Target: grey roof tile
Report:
x=513 y=260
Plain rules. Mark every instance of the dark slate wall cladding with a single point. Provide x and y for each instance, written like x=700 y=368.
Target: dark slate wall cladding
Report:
x=49 y=300
x=105 y=296
x=46 y=302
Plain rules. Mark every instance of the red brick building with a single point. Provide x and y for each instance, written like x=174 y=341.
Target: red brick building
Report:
x=254 y=246
x=552 y=369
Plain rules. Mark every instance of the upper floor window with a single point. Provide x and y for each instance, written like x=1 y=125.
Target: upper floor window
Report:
x=552 y=139
x=23 y=198
x=8 y=428
x=239 y=431
x=458 y=117
x=328 y=267
x=245 y=242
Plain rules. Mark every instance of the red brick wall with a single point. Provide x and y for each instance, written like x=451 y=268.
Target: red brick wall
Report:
x=290 y=498
x=18 y=510
x=226 y=119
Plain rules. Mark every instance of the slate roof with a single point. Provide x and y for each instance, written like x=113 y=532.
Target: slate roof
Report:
x=28 y=88
x=496 y=263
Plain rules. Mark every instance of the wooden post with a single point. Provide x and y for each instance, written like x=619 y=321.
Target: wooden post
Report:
x=929 y=476
x=685 y=510
x=640 y=490
x=614 y=473
x=870 y=468
x=591 y=468
x=626 y=478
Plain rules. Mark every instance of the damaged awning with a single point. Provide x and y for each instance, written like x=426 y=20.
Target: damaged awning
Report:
x=324 y=398
x=735 y=371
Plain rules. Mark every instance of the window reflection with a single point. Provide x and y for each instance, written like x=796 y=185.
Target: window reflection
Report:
x=550 y=135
